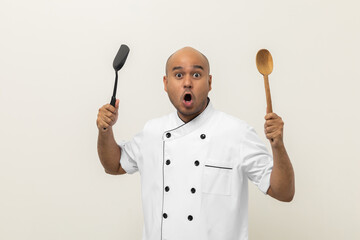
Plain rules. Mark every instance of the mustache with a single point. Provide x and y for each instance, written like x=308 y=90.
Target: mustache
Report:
x=187 y=91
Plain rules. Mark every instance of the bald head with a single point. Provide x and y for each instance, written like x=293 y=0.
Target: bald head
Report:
x=185 y=53
x=188 y=82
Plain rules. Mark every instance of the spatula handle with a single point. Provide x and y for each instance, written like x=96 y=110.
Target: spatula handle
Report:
x=113 y=100
x=268 y=95
x=112 y=103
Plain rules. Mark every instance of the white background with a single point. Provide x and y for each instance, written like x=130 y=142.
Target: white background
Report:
x=56 y=71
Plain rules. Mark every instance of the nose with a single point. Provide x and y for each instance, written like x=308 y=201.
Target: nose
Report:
x=187 y=81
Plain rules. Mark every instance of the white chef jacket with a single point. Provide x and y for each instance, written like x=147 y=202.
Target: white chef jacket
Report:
x=194 y=176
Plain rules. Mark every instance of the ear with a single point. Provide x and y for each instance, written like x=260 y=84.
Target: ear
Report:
x=165 y=80
x=210 y=81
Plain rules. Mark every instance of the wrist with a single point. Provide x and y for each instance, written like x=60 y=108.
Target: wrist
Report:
x=277 y=144
x=105 y=131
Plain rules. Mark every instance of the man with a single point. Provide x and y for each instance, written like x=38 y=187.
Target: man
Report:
x=195 y=163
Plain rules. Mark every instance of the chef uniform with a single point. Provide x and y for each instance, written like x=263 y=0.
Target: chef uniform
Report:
x=194 y=176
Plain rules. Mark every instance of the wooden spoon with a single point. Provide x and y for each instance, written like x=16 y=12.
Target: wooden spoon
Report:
x=264 y=64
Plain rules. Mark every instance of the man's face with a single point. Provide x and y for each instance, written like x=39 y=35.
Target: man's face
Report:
x=188 y=82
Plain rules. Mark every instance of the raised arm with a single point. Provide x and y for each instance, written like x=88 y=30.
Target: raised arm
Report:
x=282 y=180
x=108 y=150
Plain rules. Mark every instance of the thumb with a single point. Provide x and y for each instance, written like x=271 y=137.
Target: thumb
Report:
x=117 y=103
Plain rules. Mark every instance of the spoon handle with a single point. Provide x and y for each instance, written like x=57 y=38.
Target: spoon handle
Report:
x=268 y=96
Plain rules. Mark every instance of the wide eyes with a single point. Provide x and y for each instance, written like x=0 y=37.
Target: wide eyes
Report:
x=195 y=75
x=178 y=75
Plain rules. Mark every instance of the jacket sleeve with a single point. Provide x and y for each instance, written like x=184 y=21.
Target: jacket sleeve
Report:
x=257 y=163
x=131 y=153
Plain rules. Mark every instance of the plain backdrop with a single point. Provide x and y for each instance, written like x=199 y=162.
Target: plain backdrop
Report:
x=56 y=72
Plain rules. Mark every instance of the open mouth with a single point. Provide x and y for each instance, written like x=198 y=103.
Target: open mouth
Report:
x=187 y=97
x=188 y=100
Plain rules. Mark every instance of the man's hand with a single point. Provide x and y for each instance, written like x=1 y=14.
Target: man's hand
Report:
x=274 y=127
x=109 y=151
x=282 y=180
x=107 y=116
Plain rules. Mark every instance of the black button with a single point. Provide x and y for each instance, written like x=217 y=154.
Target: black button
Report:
x=193 y=190
x=196 y=163
x=168 y=135
x=168 y=162
x=202 y=136
x=167 y=189
x=165 y=215
x=190 y=218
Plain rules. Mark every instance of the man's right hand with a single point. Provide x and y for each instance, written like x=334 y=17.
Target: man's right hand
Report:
x=107 y=116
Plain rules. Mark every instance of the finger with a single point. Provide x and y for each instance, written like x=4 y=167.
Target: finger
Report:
x=269 y=123
x=271 y=129
x=270 y=136
x=107 y=120
x=105 y=109
x=106 y=112
x=110 y=108
x=101 y=124
x=277 y=121
x=110 y=118
x=117 y=104
x=103 y=119
x=273 y=135
x=109 y=114
x=271 y=116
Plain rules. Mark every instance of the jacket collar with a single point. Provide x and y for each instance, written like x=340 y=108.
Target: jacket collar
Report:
x=183 y=129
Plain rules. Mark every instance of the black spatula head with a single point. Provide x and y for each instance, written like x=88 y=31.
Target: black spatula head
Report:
x=121 y=57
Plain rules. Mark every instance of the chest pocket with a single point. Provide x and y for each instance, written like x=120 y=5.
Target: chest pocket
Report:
x=217 y=178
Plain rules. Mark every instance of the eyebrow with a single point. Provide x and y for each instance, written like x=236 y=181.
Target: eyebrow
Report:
x=198 y=66
x=194 y=66
x=176 y=68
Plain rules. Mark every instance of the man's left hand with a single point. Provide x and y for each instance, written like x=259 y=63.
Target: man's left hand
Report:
x=274 y=127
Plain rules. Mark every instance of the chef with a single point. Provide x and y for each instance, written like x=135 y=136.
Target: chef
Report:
x=195 y=163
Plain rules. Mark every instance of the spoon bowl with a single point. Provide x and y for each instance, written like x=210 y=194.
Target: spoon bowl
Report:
x=264 y=62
